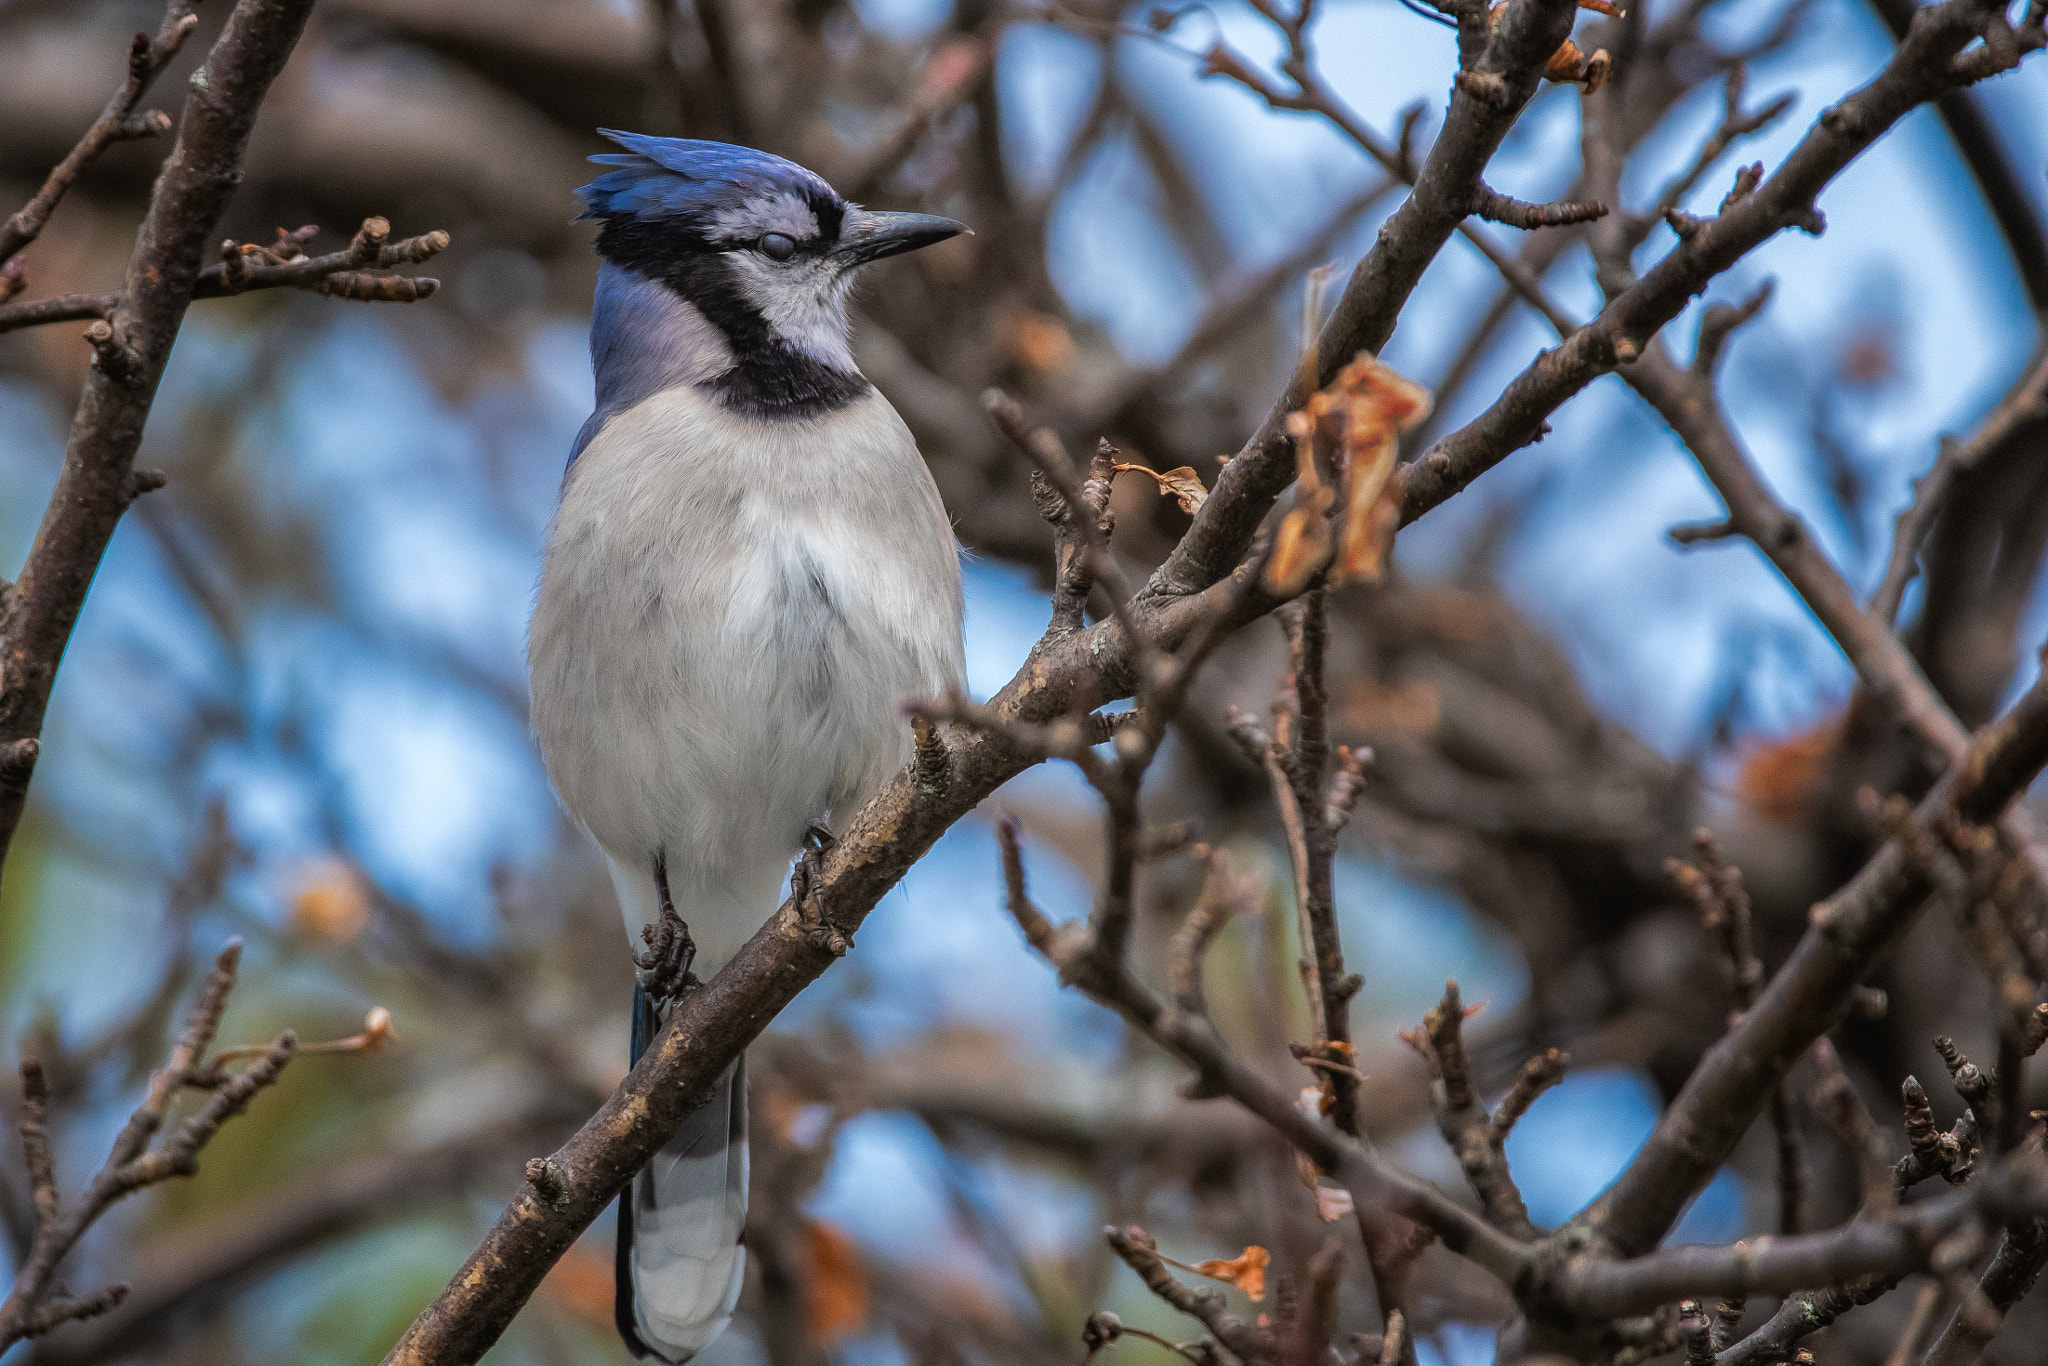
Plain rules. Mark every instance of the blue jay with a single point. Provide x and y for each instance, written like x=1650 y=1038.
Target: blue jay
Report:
x=749 y=571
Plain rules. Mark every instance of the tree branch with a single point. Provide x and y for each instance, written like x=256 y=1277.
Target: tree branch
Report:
x=1814 y=989
x=1507 y=70
x=1887 y=1247
x=147 y=58
x=131 y=344
x=244 y=268
x=34 y=1306
x=1926 y=66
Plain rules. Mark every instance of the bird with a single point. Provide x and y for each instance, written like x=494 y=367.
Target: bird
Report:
x=748 y=571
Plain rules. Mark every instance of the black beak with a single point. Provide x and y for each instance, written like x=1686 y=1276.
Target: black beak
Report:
x=869 y=236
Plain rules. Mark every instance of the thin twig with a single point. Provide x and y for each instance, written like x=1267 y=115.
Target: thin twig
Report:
x=34 y=1306
x=118 y=121
x=351 y=273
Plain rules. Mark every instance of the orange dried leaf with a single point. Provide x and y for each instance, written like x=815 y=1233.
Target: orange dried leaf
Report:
x=1564 y=63
x=1374 y=515
x=1377 y=396
x=1568 y=63
x=1603 y=7
x=1380 y=404
x=1350 y=429
x=1246 y=1271
x=836 y=1290
x=1183 y=483
x=1299 y=548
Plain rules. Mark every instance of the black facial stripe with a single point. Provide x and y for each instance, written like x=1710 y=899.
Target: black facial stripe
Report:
x=769 y=378
x=831 y=214
x=651 y=247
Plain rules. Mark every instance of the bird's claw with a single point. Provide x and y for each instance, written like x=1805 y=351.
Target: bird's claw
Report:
x=663 y=972
x=818 y=929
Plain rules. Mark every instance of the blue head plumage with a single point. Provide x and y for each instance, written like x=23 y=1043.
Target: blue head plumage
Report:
x=691 y=184
x=729 y=268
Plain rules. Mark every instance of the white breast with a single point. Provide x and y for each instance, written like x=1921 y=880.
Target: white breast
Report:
x=731 y=612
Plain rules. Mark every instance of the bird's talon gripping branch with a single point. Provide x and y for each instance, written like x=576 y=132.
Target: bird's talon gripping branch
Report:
x=663 y=972
x=803 y=887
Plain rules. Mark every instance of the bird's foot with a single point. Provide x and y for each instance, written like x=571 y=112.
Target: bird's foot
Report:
x=663 y=972
x=810 y=902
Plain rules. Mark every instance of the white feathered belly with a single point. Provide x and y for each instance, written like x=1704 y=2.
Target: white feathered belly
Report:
x=731 y=612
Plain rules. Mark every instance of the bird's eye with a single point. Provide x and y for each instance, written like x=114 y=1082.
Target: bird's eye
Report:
x=778 y=247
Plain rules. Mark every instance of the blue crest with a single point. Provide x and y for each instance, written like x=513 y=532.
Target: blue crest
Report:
x=687 y=181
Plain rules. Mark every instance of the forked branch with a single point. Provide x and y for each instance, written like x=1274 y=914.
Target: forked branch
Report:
x=37 y=1305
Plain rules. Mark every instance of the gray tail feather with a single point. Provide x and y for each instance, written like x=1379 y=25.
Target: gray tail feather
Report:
x=679 y=1262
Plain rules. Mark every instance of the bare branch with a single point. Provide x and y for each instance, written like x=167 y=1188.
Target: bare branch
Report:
x=1137 y=1251
x=1516 y=213
x=1901 y=1241
x=1513 y=53
x=1810 y=993
x=2021 y=1254
x=94 y=490
x=34 y=1306
x=1924 y=67
x=348 y=274
x=147 y=58
x=1474 y=1136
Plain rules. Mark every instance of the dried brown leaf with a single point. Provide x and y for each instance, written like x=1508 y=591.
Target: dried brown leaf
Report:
x=1183 y=483
x=1379 y=405
x=1569 y=63
x=1374 y=515
x=1301 y=545
x=1377 y=396
x=1781 y=778
x=1246 y=1271
x=1350 y=429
